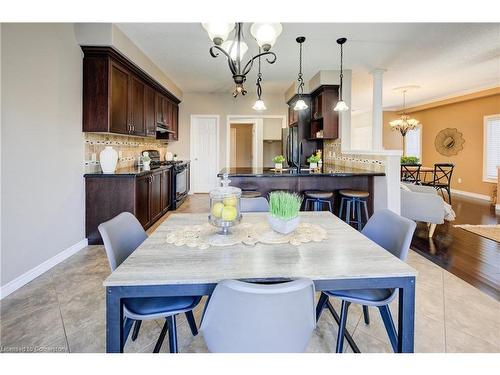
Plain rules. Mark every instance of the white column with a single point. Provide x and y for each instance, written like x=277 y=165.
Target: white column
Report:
x=377 y=115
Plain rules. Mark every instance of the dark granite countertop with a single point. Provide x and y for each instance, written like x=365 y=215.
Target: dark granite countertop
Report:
x=127 y=172
x=325 y=171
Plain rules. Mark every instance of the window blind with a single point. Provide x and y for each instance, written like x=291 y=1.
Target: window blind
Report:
x=492 y=147
x=412 y=140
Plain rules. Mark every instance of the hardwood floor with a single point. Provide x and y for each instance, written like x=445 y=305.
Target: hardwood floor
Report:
x=473 y=258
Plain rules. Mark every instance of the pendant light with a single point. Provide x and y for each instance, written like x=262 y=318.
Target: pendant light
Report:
x=300 y=104
x=341 y=105
x=259 y=103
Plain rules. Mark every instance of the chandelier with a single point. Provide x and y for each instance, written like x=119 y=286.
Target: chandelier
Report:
x=404 y=123
x=234 y=49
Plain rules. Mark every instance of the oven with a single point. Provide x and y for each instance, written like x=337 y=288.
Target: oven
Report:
x=180 y=183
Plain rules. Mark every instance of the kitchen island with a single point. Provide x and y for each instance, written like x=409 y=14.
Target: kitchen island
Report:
x=328 y=178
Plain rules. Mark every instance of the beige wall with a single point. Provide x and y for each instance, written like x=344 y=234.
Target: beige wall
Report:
x=392 y=140
x=41 y=144
x=222 y=104
x=467 y=117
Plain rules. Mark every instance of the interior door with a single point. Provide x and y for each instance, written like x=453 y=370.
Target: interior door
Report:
x=204 y=152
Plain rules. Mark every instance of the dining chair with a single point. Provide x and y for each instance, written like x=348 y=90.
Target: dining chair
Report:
x=244 y=317
x=410 y=173
x=121 y=236
x=441 y=179
x=394 y=234
x=259 y=204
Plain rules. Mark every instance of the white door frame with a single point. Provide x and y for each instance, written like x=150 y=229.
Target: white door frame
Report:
x=191 y=155
x=256 y=120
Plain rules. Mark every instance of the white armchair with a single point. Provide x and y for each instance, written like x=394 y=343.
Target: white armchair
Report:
x=422 y=203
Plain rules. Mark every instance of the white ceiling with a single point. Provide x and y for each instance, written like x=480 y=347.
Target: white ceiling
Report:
x=442 y=58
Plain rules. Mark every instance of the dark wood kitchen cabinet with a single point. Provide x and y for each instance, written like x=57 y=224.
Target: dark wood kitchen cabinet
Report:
x=146 y=195
x=324 y=120
x=119 y=97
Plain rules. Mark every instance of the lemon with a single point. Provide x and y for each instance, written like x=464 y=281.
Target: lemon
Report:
x=229 y=213
x=217 y=209
x=231 y=201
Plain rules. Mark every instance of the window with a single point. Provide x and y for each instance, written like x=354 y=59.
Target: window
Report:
x=413 y=141
x=491 y=152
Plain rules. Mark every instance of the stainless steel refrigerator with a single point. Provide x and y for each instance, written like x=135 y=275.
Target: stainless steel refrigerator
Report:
x=290 y=145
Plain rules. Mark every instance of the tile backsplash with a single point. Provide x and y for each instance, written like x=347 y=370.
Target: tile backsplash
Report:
x=332 y=154
x=128 y=148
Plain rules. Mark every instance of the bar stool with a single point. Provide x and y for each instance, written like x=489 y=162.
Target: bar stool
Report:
x=250 y=194
x=318 y=198
x=356 y=198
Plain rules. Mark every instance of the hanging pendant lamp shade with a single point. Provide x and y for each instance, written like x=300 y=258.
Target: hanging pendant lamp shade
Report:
x=300 y=104
x=341 y=105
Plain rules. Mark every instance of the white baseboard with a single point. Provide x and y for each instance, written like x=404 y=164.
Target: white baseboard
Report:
x=32 y=274
x=471 y=195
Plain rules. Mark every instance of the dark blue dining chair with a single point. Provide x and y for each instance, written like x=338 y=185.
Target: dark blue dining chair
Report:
x=394 y=234
x=121 y=236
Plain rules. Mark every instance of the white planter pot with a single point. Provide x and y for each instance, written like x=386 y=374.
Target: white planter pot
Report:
x=108 y=158
x=283 y=226
x=313 y=165
x=278 y=165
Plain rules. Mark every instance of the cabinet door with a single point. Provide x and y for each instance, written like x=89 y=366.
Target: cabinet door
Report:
x=175 y=121
x=137 y=106
x=142 y=196
x=120 y=81
x=159 y=109
x=155 y=198
x=165 y=190
x=167 y=112
x=150 y=111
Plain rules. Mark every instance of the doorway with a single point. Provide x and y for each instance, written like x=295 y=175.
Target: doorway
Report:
x=204 y=152
x=241 y=145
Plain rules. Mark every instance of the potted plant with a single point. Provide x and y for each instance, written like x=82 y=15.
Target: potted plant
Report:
x=313 y=161
x=278 y=162
x=175 y=157
x=409 y=160
x=284 y=211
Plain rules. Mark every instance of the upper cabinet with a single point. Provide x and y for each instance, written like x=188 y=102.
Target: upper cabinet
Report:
x=324 y=120
x=119 y=97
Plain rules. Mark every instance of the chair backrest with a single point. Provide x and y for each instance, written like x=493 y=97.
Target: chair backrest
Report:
x=259 y=204
x=121 y=236
x=257 y=318
x=410 y=172
x=442 y=173
x=390 y=231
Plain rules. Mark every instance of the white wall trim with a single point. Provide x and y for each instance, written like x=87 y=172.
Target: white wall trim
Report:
x=471 y=195
x=32 y=274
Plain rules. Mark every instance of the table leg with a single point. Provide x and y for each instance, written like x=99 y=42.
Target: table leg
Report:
x=406 y=319
x=114 y=319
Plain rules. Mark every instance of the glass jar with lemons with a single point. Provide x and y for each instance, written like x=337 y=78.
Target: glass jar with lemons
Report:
x=225 y=206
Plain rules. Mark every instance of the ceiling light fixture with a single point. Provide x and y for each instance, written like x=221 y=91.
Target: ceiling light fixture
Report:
x=265 y=35
x=404 y=124
x=341 y=105
x=259 y=103
x=300 y=104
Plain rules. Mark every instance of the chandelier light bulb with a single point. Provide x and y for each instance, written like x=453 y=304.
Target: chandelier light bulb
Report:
x=341 y=106
x=266 y=34
x=231 y=47
x=218 y=31
x=300 y=105
x=259 y=105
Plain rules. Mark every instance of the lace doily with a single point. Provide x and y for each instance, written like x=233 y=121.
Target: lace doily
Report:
x=205 y=235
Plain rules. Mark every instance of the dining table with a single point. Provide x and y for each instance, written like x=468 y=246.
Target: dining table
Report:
x=344 y=259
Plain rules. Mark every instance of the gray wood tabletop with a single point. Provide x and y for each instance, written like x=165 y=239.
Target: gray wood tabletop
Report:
x=345 y=254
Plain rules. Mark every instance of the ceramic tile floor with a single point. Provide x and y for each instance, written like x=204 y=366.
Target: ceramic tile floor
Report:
x=64 y=311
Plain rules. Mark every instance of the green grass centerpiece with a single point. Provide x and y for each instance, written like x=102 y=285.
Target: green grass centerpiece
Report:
x=284 y=211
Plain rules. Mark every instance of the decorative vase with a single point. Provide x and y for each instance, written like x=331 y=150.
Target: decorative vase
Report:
x=313 y=165
x=283 y=226
x=108 y=158
x=278 y=166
